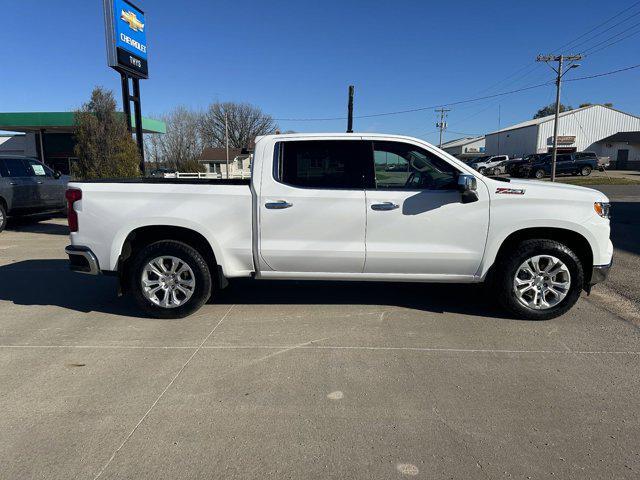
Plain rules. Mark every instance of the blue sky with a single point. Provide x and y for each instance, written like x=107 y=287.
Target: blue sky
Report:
x=296 y=59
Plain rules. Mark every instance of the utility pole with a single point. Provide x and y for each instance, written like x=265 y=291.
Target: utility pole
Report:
x=226 y=134
x=442 y=125
x=559 y=74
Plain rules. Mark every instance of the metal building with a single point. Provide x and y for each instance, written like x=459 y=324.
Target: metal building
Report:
x=465 y=147
x=578 y=130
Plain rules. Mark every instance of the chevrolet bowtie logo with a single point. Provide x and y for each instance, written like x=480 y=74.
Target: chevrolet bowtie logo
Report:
x=132 y=19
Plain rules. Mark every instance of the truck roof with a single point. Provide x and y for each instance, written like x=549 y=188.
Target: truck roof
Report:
x=339 y=135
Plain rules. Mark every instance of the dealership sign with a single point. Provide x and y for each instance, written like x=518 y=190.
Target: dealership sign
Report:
x=126 y=30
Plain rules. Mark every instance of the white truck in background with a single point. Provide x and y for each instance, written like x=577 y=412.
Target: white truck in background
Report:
x=343 y=207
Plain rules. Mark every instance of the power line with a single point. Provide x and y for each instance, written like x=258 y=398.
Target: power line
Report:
x=607 y=29
x=597 y=75
x=459 y=102
x=599 y=25
x=531 y=67
x=590 y=52
x=417 y=109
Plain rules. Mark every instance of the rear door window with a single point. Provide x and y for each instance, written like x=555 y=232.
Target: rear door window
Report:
x=323 y=164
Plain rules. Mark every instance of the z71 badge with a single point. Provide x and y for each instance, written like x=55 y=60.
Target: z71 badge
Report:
x=510 y=191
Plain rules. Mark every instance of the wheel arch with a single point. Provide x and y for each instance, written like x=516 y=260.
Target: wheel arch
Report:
x=142 y=236
x=577 y=242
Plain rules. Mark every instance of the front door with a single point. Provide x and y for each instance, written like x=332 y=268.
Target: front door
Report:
x=312 y=207
x=50 y=189
x=416 y=221
x=622 y=158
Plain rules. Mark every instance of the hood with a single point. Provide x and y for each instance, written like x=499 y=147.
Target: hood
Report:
x=559 y=191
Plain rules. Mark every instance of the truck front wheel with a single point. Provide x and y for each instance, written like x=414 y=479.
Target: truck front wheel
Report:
x=539 y=279
x=170 y=279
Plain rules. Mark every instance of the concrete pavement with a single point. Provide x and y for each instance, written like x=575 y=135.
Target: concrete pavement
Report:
x=306 y=380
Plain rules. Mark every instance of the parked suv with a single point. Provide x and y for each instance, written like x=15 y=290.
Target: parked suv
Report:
x=28 y=186
x=577 y=163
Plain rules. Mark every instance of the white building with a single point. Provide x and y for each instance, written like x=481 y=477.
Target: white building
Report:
x=623 y=149
x=215 y=161
x=578 y=130
x=465 y=147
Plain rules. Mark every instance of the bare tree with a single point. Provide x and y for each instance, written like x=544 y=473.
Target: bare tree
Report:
x=182 y=145
x=245 y=123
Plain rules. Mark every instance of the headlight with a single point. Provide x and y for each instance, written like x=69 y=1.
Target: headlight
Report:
x=603 y=209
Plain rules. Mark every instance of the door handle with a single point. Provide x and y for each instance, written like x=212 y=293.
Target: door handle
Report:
x=39 y=183
x=13 y=183
x=384 y=206
x=279 y=205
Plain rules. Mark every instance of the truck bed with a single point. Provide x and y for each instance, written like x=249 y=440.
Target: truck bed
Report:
x=219 y=210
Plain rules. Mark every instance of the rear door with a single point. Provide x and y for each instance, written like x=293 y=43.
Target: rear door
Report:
x=312 y=207
x=416 y=221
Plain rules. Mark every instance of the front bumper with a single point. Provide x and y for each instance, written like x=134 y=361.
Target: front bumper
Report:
x=82 y=259
x=599 y=273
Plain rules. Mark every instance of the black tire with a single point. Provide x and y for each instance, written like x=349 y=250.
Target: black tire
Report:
x=507 y=267
x=182 y=251
x=586 y=171
x=3 y=217
x=539 y=174
x=481 y=170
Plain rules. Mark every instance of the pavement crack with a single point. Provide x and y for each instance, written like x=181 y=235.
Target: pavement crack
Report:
x=142 y=419
x=287 y=349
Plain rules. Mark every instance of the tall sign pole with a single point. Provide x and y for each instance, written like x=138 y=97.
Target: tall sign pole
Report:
x=560 y=59
x=126 y=34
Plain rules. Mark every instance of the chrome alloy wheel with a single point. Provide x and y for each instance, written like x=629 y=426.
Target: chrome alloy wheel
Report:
x=168 y=282
x=542 y=282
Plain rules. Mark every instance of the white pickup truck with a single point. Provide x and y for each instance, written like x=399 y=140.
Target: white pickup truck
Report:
x=343 y=207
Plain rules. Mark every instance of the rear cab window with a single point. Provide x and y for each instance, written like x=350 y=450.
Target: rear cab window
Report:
x=322 y=164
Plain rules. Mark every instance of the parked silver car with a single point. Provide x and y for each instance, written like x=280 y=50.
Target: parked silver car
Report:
x=27 y=187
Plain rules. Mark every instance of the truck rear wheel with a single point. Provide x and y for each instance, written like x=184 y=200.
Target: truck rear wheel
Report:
x=586 y=171
x=170 y=279
x=539 y=174
x=539 y=279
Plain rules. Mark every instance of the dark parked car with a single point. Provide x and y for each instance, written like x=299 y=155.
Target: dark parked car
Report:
x=513 y=166
x=577 y=163
x=28 y=186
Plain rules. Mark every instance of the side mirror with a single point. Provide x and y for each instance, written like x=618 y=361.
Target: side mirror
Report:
x=468 y=186
x=57 y=174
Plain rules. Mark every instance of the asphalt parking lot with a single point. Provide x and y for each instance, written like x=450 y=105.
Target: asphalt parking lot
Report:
x=310 y=380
